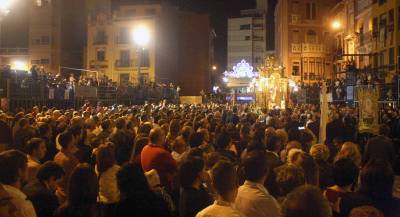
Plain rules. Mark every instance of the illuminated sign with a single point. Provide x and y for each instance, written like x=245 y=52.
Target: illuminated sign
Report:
x=241 y=70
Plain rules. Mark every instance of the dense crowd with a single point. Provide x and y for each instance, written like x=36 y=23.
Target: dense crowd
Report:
x=204 y=161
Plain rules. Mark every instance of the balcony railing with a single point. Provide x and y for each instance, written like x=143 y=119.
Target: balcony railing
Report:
x=100 y=41
x=296 y=48
x=14 y=51
x=98 y=64
x=125 y=64
x=309 y=48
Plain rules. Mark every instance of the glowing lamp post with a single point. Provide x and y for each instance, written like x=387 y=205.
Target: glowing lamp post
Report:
x=141 y=37
x=336 y=25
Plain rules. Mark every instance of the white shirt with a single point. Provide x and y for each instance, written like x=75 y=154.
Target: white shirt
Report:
x=220 y=209
x=24 y=207
x=254 y=200
x=108 y=188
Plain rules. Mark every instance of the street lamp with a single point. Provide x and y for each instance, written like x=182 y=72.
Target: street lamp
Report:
x=214 y=67
x=5 y=6
x=141 y=37
x=336 y=24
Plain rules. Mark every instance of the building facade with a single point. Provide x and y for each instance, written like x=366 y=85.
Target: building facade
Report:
x=300 y=39
x=57 y=31
x=247 y=38
x=178 y=50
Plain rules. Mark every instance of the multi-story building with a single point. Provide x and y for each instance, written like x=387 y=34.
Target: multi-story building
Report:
x=177 y=52
x=247 y=38
x=300 y=39
x=57 y=33
x=385 y=38
x=363 y=25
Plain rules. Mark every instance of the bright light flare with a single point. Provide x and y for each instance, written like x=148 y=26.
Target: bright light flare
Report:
x=336 y=25
x=214 y=67
x=5 y=5
x=19 y=65
x=141 y=35
x=225 y=79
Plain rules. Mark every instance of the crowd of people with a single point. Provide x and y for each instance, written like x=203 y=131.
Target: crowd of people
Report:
x=211 y=160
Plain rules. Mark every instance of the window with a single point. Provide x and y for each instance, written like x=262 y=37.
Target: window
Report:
x=101 y=37
x=101 y=55
x=382 y=58
x=123 y=35
x=391 y=56
x=311 y=37
x=295 y=35
x=296 y=69
x=381 y=2
x=245 y=27
x=125 y=57
x=391 y=21
x=145 y=58
x=295 y=7
x=36 y=41
x=247 y=38
x=375 y=27
x=130 y=12
x=44 y=61
x=34 y=62
x=45 y=39
x=150 y=11
x=311 y=11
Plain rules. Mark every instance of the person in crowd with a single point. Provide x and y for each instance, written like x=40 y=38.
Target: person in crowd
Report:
x=123 y=141
x=193 y=196
x=66 y=159
x=352 y=151
x=13 y=172
x=289 y=177
x=6 y=132
x=45 y=132
x=106 y=129
x=155 y=156
x=310 y=168
x=376 y=186
x=22 y=135
x=306 y=201
x=106 y=169
x=253 y=198
x=224 y=181
x=345 y=174
x=42 y=190
x=224 y=147
x=380 y=147
x=83 y=189
x=136 y=194
x=320 y=153
x=365 y=211
x=140 y=143
x=334 y=128
x=36 y=150
x=7 y=209
x=179 y=149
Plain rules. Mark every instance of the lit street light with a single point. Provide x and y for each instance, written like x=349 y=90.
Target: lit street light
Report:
x=336 y=25
x=141 y=37
x=5 y=6
x=214 y=67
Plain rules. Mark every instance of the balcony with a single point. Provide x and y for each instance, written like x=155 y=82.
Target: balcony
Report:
x=296 y=48
x=295 y=19
x=14 y=51
x=309 y=48
x=98 y=64
x=124 y=64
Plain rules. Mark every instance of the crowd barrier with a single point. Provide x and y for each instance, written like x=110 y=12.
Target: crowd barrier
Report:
x=27 y=94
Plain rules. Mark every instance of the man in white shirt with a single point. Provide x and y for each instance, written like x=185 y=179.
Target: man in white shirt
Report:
x=13 y=172
x=36 y=149
x=253 y=198
x=224 y=181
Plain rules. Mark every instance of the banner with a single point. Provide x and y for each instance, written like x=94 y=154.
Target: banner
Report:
x=195 y=100
x=85 y=92
x=368 y=110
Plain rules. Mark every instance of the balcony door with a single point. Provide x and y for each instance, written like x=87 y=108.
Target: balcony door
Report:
x=125 y=57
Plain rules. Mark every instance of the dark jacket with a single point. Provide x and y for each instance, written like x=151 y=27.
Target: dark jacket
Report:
x=334 y=129
x=43 y=199
x=379 y=147
x=143 y=205
x=6 y=133
x=193 y=201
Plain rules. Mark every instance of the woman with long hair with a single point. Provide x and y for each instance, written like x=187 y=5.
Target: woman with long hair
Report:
x=106 y=169
x=82 y=194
